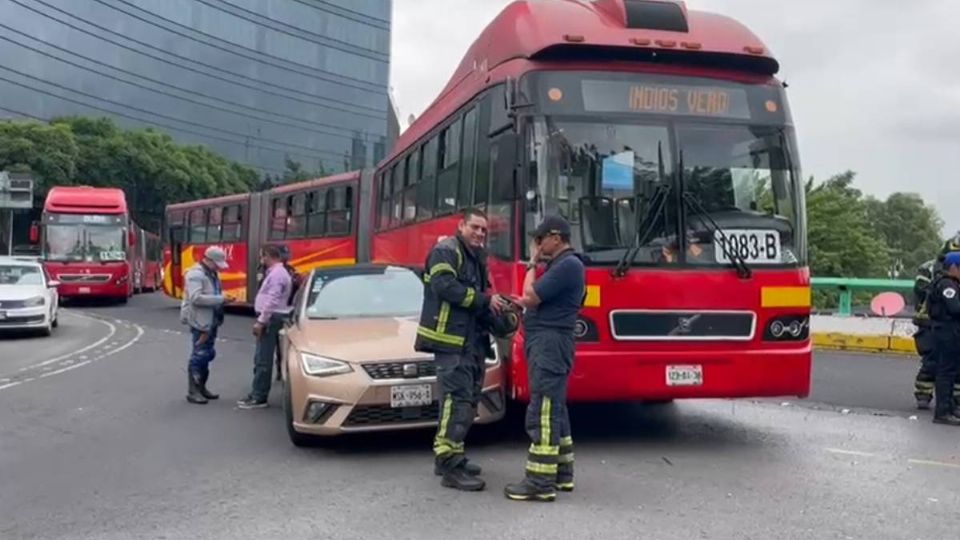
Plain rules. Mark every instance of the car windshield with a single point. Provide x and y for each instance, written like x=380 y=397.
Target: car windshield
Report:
x=19 y=274
x=608 y=178
x=391 y=292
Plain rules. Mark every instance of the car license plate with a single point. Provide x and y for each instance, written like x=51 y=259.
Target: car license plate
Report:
x=684 y=375
x=84 y=290
x=412 y=395
x=754 y=246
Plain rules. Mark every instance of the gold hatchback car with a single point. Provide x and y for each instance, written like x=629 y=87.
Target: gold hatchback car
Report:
x=348 y=362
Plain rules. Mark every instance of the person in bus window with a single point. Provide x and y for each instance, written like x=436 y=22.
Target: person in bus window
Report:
x=202 y=310
x=552 y=304
x=452 y=327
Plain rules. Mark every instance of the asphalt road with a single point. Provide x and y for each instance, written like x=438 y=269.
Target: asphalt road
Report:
x=110 y=450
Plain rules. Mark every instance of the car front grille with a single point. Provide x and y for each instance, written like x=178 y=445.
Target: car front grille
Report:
x=84 y=278
x=380 y=415
x=12 y=304
x=16 y=321
x=401 y=370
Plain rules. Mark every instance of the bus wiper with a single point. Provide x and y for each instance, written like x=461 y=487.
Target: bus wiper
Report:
x=657 y=204
x=743 y=270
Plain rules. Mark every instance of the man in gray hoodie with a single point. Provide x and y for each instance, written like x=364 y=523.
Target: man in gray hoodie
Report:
x=202 y=310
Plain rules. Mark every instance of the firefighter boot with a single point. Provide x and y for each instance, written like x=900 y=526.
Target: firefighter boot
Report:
x=203 y=388
x=471 y=468
x=923 y=402
x=949 y=419
x=459 y=478
x=526 y=491
x=193 y=392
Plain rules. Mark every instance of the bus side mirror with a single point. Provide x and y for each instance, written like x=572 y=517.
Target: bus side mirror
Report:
x=34 y=233
x=504 y=155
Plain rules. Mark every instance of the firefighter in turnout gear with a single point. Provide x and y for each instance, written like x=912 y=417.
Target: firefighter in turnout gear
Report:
x=552 y=304
x=943 y=305
x=923 y=337
x=456 y=311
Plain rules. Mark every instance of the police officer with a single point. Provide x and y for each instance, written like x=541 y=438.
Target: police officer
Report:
x=923 y=337
x=943 y=305
x=552 y=303
x=453 y=323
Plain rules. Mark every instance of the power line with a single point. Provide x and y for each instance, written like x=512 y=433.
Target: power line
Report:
x=185 y=90
x=208 y=68
x=365 y=18
x=42 y=119
x=256 y=18
x=160 y=124
x=168 y=117
x=233 y=48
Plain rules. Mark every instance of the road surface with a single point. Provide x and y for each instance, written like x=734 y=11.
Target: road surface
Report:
x=110 y=450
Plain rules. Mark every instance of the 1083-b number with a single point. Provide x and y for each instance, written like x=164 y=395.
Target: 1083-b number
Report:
x=753 y=246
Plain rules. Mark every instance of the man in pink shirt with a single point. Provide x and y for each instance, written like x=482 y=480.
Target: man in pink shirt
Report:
x=272 y=307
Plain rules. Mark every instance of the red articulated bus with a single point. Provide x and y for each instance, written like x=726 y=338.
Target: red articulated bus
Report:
x=91 y=245
x=663 y=136
x=315 y=219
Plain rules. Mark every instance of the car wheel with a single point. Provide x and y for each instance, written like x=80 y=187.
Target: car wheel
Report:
x=56 y=320
x=298 y=439
x=48 y=331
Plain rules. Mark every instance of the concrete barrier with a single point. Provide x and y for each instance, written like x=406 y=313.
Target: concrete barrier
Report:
x=865 y=334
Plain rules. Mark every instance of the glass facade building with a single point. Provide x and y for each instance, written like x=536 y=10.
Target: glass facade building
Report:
x=254 y=80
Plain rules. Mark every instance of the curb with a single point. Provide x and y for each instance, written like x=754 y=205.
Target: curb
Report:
x=839 y=341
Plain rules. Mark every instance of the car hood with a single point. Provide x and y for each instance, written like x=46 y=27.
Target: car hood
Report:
x=358 y=340
x=21 y=292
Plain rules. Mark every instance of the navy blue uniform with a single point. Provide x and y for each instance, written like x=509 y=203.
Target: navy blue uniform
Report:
x=943 y=304
x=549 y=349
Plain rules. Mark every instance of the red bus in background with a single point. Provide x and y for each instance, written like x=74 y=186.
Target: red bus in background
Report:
x=315 y=219
x=660 y=133
x=90 y=244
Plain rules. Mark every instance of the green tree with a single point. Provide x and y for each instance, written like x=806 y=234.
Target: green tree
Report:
x=50 y=152
x=843 y=240
x=910 y=227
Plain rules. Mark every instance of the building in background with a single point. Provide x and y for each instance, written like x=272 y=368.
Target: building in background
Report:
x=254 y=80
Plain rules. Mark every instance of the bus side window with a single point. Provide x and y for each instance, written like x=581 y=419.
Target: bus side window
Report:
x=412 y=176
x=198 y=226
x=231 y=224
x=339 y=203
x=317 y=221
x=449 y=176
x=427 y=189
x=383 y=195
x=396 y=196
x=501 y=209
x=214 y=223
x=297 y=224
x=468 y=159
x=278 y=221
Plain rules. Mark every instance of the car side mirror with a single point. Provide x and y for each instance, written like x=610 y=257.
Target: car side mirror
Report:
x=53 y=284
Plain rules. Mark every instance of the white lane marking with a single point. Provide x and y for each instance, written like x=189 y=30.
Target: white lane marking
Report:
x=113 y=330
x=11 y=385
x=64 y=370
x=934 y=463
x=849 y=452
x=129 y=344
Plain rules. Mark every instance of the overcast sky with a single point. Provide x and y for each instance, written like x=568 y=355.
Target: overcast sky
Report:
x=874 y=84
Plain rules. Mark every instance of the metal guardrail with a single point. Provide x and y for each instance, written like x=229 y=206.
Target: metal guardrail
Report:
x=848 y=286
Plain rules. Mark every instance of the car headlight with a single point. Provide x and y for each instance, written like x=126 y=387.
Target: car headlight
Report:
x=34 y=302
x=320 y=366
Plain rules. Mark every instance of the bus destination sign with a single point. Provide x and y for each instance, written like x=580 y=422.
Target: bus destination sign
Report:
x=666 y=99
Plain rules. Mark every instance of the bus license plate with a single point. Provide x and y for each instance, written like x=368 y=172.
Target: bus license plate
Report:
x=754 y=246
x=414 y=395
x=684 y=375
x=84 y=290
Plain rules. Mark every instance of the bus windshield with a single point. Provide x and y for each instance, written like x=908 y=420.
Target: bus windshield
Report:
x=606 y=175
x=85 y=243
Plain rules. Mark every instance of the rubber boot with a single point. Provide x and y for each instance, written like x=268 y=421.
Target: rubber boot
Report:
x=460 y=479
x=471 y=468
x=203 y=388
x=526 y=491
x=193 y=394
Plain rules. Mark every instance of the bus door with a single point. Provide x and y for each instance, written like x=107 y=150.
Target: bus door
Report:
x=256 y=227
x=176 y=232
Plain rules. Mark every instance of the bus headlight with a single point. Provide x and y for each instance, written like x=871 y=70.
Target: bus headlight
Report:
x=787 y=328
